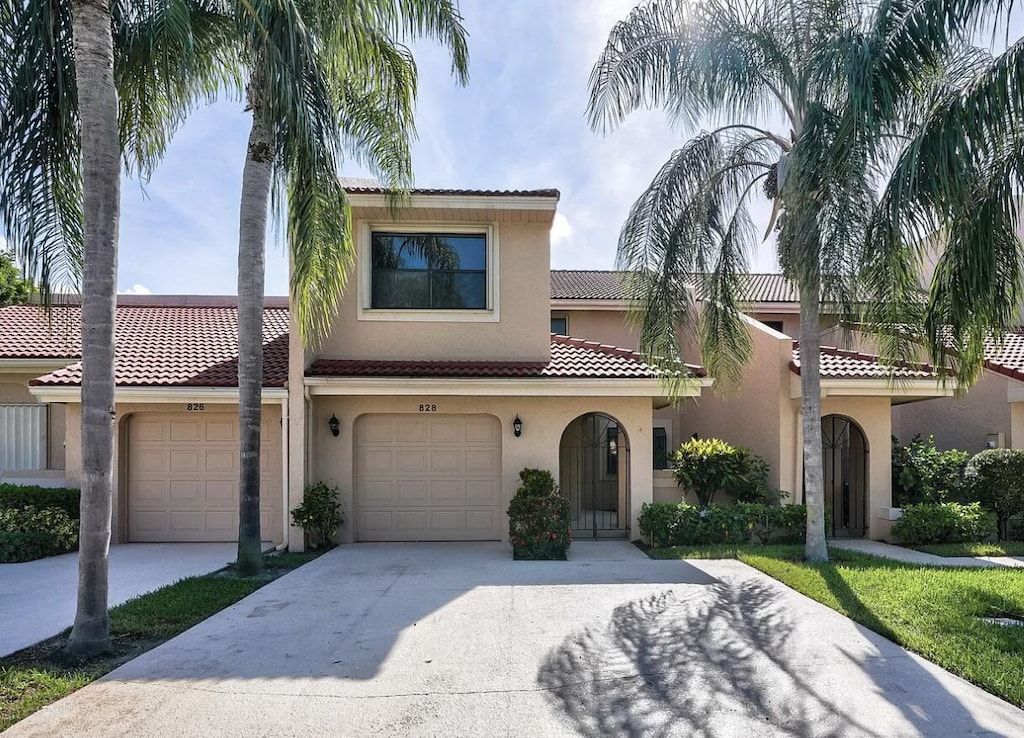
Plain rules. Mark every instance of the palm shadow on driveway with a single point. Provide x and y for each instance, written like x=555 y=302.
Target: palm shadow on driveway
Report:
x=730 y=662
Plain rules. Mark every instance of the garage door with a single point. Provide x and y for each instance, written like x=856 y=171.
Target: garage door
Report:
x=428 y=478
x=183 y=477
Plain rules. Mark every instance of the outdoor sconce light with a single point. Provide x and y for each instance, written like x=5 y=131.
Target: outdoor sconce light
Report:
x=335 y=425
x=517 y=426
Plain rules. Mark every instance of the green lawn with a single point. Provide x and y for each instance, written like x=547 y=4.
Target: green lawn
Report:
x=36 y=676
x=1003 y=548
x=932 y=611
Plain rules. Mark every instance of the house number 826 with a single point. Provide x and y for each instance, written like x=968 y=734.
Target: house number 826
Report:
x=428 y=408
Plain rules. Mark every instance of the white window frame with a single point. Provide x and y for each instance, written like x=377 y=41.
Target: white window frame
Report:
x=364 y=296
x=563 y=316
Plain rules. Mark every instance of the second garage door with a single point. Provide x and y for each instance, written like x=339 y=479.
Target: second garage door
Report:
x=428 y=478
x=183 y=477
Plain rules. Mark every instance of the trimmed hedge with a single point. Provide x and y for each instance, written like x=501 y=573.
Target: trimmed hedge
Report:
x=682 y=524
x=30 y=533
x=995 y=478
x=18 y=496
x=25 y=546
x=37 y=522
x=948 y=522
x=539 y=518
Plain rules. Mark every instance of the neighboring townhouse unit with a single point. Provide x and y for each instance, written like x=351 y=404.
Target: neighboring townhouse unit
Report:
x=863 y=402
x=176 y=450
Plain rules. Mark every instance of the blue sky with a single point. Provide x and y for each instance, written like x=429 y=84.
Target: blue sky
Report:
x=519 y=124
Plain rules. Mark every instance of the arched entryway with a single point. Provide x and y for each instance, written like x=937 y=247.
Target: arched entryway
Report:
x=594 y=474
x=844 y=453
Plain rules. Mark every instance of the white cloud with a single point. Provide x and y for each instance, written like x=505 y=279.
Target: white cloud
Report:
x=561 y=230
x=136 y=289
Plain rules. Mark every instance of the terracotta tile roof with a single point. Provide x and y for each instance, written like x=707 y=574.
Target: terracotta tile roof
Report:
x=368 y=189
x=570 y=358
x=579 y=284
x=1007 y=358
x=842 y=364
x=186 y=346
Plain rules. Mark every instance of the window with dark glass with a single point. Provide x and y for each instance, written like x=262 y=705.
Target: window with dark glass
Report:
x=560 y=324
x=429 y=271
x=660 y=448
x=612 y=451
x=775 y=325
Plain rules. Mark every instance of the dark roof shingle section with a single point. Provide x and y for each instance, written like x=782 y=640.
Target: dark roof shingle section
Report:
x=579 y=284
x=838 y=363
x=371 y=190
x=185 y=346
x=591 y=284
x=571 y=358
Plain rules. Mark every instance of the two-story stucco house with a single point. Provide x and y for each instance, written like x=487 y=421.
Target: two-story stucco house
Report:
x=456 y=359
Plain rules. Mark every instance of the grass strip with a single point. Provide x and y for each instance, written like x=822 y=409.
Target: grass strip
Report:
x=935 y=612
x=34 y=677
x=1003 y=548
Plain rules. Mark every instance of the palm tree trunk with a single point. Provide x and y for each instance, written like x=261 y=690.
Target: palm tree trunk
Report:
x=810 y=388
x=256 y=181
x=101 y=185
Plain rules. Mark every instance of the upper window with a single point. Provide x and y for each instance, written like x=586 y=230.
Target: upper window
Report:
x=560 y=324
x=428 y=271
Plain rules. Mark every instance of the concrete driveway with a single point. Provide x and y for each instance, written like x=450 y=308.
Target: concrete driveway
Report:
x=458 y=640
x=38 y=598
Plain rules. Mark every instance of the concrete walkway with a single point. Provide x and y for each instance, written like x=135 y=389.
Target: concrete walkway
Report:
x=38 y=598
x=910 y=556
x=457 y=639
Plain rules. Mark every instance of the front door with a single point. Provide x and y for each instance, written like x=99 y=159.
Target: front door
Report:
x=594 y=459
x=844 y=455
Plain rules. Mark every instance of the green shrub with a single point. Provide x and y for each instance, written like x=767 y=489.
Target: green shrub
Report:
x=682 y=524
x=30 y=533
x=539 y=518
x=536 y=483
x=922 y=473
x=319 y=515
x=948 y=522
x=995 y=478
x=710 y=465
x=17 y=496
x=26 y=546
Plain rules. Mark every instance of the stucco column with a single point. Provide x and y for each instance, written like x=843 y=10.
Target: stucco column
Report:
x=641 y=468
x=1016 y=439
x=295 y=427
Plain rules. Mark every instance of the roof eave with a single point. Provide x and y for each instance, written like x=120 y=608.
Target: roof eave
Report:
x=155 y=394
x=504 y=386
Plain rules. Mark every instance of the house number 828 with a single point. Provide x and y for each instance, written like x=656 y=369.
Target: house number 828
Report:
x=428 y=408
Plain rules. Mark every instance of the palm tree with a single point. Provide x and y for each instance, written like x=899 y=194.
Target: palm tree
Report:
x=325 y=78
x=848 y=81
x=62 y=136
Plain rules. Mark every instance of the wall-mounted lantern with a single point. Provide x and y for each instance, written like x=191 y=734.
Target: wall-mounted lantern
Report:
x=517 y=426
x=335 y=425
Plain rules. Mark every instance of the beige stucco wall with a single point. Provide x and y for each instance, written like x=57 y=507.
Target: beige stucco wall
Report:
x=603 y=326
x=271 y=484
x=959 y=422
x=544 y=419
x=14 y=389
x=751 y=415
x=522 y=332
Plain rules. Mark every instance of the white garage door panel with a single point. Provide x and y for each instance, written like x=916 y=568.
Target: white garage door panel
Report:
x=428 y=478
x=183 y=478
